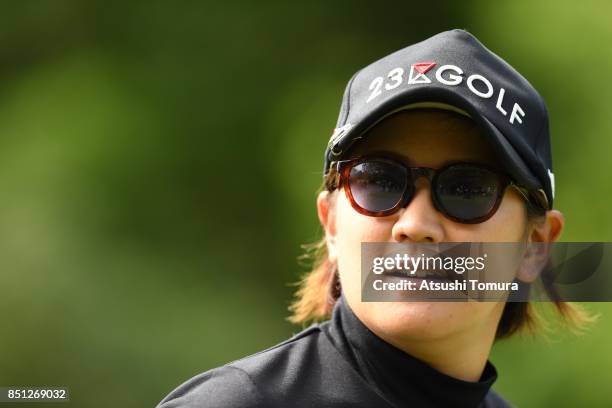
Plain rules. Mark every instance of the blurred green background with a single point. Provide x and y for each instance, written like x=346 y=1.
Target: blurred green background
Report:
x=158 y=168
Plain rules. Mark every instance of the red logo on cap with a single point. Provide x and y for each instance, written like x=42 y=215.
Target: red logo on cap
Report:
x=423 y=67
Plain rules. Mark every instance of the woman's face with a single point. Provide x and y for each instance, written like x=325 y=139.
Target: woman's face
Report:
x=428 y=138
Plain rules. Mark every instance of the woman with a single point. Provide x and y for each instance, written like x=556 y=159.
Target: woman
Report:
x=444 y=101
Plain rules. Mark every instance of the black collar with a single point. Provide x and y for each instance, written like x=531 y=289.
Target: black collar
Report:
x=397 y=376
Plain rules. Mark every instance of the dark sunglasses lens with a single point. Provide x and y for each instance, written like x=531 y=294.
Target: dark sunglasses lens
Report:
x=467 y=192
x=377 y=186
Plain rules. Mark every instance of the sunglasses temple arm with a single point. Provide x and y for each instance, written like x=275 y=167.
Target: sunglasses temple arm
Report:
x=540 y=200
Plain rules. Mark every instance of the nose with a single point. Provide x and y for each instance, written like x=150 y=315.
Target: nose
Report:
x=419 y=221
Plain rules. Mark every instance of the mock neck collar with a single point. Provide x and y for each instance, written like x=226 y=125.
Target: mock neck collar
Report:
x=396 y=375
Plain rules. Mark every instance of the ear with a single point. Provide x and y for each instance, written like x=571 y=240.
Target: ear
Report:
x=540 y=235
x=549 y=229
x=327 y=216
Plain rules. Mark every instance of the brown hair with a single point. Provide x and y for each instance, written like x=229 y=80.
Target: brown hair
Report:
x=319 y=289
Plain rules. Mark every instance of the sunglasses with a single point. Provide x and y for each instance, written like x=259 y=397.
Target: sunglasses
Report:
x=468 y=193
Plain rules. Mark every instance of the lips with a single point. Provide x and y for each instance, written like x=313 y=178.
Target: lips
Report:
x=420 y=274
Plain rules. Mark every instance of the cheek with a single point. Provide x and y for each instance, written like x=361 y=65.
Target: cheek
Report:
x=510 y=221
x=352 y=226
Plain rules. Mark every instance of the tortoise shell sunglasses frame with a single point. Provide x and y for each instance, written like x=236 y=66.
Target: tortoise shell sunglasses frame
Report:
x=340 y=176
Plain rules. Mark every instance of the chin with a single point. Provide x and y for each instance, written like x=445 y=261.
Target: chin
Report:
x=416 y=320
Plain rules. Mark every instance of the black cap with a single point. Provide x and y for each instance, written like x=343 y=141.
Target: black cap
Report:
x=453 y=70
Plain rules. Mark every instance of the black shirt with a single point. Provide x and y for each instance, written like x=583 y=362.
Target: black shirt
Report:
x=338 y=363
